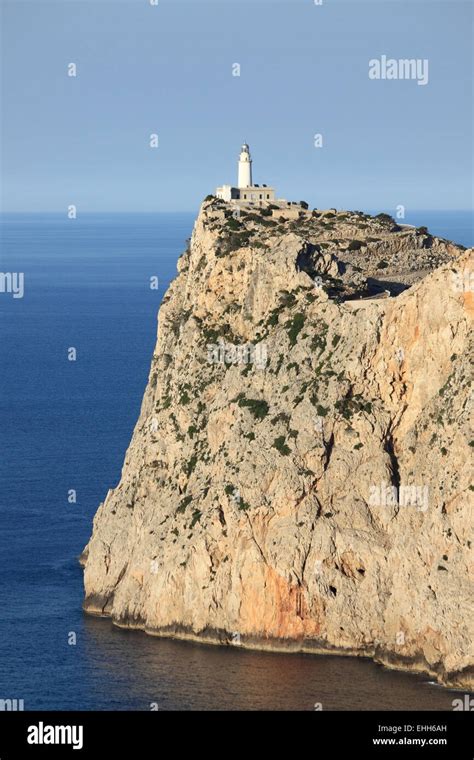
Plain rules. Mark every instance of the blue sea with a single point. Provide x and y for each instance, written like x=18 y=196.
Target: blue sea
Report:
x=65 y=426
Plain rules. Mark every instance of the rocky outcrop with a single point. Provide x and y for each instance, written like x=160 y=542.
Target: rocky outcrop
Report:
x=299 y=474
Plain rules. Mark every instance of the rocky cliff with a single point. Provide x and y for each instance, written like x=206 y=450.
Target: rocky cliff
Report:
x=299 y=474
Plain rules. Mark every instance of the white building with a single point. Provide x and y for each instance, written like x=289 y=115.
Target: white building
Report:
x=246 y=192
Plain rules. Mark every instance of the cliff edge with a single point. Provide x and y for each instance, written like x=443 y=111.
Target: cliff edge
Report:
x=299 y=475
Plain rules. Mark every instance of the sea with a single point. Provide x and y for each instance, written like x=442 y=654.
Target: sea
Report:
x=75 y=352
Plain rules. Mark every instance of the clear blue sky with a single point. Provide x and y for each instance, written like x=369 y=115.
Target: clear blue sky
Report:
x=167 y=69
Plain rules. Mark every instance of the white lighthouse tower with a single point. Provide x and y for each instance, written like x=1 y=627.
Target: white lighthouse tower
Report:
x=246 y=193
x=245 y=167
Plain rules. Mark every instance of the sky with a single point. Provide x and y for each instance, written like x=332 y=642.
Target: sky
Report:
x=167 y=69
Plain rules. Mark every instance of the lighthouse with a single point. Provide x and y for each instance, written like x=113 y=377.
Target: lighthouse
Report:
x=246 y=193
x=245 y=168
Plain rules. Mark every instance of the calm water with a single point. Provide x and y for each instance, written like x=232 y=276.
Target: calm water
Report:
x=66 y=425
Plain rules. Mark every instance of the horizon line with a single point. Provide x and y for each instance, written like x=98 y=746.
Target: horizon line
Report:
x=190 y=211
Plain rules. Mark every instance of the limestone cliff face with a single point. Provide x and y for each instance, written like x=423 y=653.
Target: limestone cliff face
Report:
x=317 y=496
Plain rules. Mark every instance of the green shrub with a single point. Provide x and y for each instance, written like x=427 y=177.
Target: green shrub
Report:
x=318 y=341
x=233 y=223
x=196 y=517
x=281 y=417
x=189 y=466
x=258 y=407
x=352 y=405
x=184 y=398
x=294 y=327
x=286 y=299
x=322 y=410
x=280 y=445
x=184 y=503
x=210 y=335
x=281 y=359
x=233 y=242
